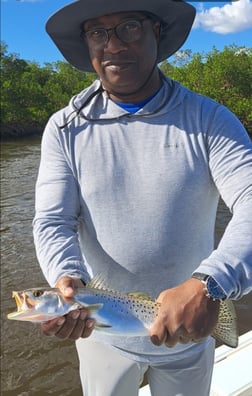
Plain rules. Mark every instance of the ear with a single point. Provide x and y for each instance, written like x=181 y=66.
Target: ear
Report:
x=157 y=29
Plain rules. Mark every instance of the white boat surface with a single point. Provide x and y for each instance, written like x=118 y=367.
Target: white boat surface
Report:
x=232 y=373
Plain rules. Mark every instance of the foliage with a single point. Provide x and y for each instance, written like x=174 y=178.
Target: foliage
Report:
x=224 y=76
x=30 y=93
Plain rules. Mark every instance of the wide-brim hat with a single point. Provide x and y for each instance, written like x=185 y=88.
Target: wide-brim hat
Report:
x=64 y=27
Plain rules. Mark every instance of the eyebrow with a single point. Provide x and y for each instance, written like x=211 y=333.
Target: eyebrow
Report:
x=96 y=24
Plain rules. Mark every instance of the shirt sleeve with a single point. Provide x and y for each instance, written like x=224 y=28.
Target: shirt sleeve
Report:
x=230 y=163
x=57 y=207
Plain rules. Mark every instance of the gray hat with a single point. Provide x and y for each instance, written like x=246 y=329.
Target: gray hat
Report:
x=64 y=26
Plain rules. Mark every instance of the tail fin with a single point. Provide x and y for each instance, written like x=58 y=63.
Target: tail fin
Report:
x=226 y=329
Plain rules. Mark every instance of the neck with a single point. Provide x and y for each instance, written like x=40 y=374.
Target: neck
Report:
x=148 y=88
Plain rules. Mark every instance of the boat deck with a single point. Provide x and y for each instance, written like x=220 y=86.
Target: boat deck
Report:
x=232 y=374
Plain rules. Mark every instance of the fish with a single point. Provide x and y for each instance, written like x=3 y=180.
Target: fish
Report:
x=115 y=313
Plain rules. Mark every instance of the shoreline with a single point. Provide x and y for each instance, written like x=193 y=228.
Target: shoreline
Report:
x=15 y=131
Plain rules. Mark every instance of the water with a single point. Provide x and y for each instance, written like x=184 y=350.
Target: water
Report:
x=32 y=364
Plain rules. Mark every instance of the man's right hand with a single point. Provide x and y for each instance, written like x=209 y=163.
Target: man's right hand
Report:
x=74 y=325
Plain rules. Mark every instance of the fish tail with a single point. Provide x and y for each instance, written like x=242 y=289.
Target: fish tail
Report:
x=226 y=329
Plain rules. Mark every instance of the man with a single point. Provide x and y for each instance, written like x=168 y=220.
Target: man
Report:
x=129 y=181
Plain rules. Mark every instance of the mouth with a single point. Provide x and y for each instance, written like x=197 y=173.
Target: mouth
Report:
x=22 y=306
x=20 y=300
x=118 y=65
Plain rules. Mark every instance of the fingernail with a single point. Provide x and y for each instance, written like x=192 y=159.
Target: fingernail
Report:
x=75 y=314
x=90 y=324
x=83 y=315
x=61 y=321
x=67 y=291
x=155 y=340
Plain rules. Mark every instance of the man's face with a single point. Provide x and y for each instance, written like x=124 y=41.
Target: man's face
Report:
x=123 y=66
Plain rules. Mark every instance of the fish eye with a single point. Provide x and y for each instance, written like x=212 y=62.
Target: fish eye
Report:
x=38 y=293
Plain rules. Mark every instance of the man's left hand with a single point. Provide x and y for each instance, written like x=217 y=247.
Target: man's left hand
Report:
x=185 y=315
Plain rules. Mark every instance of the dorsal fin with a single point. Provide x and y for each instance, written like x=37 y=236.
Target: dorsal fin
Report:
x=140 y=295
x=98 y=282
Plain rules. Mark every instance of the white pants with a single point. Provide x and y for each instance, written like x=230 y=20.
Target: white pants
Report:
x=105 y=372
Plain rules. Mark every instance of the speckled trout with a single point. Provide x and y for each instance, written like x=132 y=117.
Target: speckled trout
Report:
x=129 y=314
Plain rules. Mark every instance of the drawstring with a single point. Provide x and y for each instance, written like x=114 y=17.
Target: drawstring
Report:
x=78 y=110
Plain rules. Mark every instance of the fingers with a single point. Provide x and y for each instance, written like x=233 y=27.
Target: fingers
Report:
x=75 y=324
x=158 y=333
x=68 y=285
x=185 y=315
x=161 y=333
x=181 y=336
x=72 y=326
x=51 y=327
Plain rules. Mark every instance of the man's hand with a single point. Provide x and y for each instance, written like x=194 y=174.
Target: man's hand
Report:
x=74 y=325
x=186 y=314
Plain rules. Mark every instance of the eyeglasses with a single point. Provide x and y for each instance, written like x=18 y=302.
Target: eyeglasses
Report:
x=128 y=32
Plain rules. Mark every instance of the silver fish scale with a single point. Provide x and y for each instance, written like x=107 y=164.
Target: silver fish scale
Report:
x=116 y=313
x=143 y=309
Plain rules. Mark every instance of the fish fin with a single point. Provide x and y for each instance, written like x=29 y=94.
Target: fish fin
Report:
x=95 y=307
x=89 y=307
x=226 y=329
x=99 y=283
x=101 y=326
x=141 y=295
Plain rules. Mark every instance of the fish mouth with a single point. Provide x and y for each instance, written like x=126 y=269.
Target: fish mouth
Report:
x=17 y=299
x=22 y=305
x=21 y=301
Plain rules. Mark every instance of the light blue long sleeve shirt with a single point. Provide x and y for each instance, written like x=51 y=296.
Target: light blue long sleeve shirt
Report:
x=134 y=196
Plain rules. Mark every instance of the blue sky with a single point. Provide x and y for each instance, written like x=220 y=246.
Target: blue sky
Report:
x=217 y=24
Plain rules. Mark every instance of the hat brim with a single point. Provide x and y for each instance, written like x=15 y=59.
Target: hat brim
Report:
x=64 y=27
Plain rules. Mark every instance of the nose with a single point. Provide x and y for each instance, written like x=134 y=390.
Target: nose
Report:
x=114 y=44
